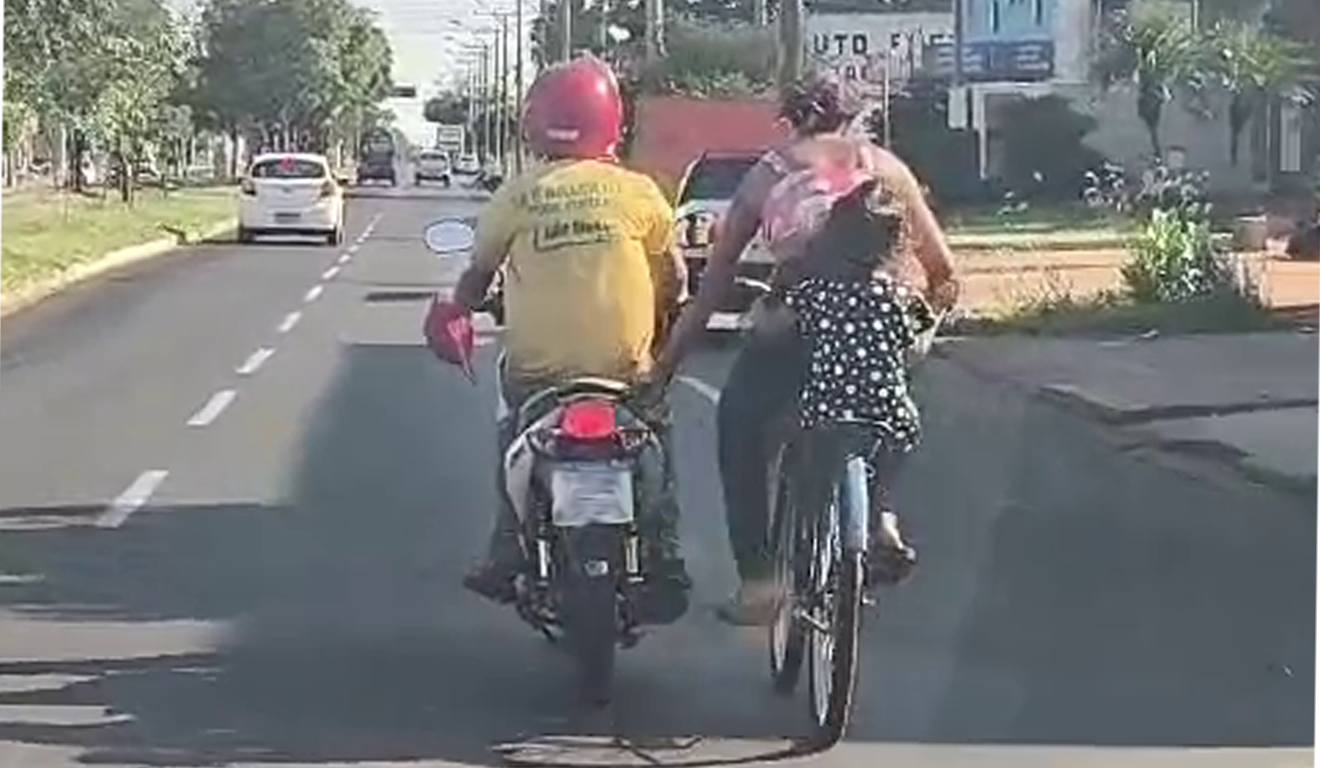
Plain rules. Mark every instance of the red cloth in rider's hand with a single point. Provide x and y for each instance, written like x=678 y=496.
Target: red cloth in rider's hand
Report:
x=448 y=331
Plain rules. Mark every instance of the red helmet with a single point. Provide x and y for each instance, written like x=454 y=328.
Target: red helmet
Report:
x=574 y=110
x=448 y=330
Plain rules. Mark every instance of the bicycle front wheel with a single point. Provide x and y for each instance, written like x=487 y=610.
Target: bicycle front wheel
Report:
x=838 y=585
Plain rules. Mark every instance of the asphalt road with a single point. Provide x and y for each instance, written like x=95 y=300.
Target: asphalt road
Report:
x=236 y=497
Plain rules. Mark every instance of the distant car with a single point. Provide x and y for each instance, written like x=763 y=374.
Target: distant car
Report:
x=467 y=165
x=431 y=165
x=291 y=194
x=704 y=196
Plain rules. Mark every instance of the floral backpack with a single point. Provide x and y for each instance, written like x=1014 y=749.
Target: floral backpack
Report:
x=798 y=204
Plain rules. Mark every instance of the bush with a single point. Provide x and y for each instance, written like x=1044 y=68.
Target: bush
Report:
x=942 y=158
x=1175 y=257
x=1044 y=156
x=706 y=58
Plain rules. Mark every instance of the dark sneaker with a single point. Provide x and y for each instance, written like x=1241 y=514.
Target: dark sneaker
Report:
x=663 y=598
x=492 y=581
x=891 y=559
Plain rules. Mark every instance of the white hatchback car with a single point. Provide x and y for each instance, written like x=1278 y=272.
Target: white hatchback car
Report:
x=291 y=194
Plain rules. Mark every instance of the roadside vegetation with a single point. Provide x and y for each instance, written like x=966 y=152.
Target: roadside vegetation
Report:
x=44 y=233
x=139 y=99
x=1178 y=277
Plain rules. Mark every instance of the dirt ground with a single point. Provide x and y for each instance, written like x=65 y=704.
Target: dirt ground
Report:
x=996 y=281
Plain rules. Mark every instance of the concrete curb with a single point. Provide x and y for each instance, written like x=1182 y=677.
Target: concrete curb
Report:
x=1096 y=409
x=114 y=260
x=975 y=243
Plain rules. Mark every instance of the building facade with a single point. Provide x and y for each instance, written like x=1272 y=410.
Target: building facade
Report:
x=1015 y=49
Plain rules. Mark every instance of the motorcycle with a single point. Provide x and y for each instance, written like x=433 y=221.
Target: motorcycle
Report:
x=579 y=474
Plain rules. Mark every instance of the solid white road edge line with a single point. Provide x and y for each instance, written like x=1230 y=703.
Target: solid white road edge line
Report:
x=255 y=361
x=213 y=408
x=700 y=387
x=314 y=293
x=289 y=321
x=132 y=499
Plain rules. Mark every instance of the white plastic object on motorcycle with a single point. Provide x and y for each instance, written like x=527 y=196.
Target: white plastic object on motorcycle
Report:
x=449 y=236
x=594 y=493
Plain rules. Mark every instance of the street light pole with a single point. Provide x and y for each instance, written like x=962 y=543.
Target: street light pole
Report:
x=791 y=44
x=492 y=93
x=483 y=137
x=502 y=153
x=518 y=86
x=565 y=30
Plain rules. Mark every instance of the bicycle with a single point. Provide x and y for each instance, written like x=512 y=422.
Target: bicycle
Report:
x=820 y=530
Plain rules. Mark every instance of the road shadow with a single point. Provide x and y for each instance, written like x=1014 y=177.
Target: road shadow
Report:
x=346 y=637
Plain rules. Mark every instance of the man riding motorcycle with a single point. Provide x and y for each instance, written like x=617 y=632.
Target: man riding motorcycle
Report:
x=787 y=196
x=590 y=272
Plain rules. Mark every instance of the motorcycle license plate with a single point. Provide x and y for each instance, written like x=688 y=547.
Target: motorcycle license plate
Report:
x=587 y=494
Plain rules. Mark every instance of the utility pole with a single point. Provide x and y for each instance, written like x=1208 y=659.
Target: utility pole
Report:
x=502 y=148
x=565 y=30
x=760 y=12
x=603 y=29
x=518 y=86
x=655 y=30
x=472 y=106
x=492 y=93
x=791 y=45
x=483 y=137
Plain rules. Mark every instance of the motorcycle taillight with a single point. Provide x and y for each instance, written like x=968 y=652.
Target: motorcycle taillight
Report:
x=588 y=420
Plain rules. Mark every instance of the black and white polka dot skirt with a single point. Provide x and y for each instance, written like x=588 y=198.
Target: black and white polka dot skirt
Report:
x=857 y=334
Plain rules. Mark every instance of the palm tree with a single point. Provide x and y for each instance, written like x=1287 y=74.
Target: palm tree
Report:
x=1158 y=51
x=1256 y=68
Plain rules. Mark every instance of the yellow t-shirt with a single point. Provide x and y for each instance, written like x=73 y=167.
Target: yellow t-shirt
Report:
x=585 y=243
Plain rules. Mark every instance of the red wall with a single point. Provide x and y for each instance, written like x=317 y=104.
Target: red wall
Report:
x=672 y=131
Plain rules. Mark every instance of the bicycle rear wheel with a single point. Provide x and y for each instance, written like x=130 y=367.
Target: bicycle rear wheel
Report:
x=787 y=634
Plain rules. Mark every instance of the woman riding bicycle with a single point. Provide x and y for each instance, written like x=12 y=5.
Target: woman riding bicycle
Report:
x=825 y=203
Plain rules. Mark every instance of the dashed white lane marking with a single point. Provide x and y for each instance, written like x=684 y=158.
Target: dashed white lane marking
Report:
x=132 y=499
x=289 y=321
x=255 y=361
x=344 y=259
x=314 y=293
x=702 y=388
x=330 y=273
x=213 y=408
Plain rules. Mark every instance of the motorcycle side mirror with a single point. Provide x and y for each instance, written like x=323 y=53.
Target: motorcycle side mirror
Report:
x=448 y=236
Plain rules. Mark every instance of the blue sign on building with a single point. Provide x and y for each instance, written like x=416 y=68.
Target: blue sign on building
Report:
x=993 y=61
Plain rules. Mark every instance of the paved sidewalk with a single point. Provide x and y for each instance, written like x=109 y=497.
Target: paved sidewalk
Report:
x=1249 y=399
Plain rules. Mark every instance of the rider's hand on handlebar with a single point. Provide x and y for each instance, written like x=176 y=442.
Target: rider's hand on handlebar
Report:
x=943 y=296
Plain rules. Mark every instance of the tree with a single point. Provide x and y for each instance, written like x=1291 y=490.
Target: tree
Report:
x=1256 y=67
x=51 y=62
x=293 y=73
x=1156 y=49
x=141 y=59
x=448 y=107
x=712 y=58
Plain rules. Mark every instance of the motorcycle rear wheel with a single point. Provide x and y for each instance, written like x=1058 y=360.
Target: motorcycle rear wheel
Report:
x=590 y=608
